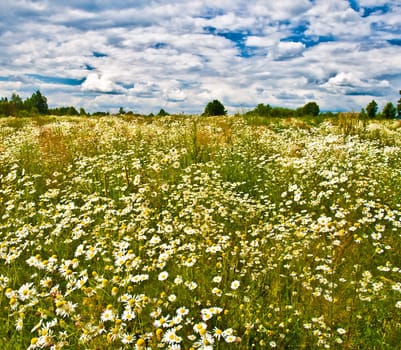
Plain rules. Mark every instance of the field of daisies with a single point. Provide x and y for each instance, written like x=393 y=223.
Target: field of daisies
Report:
x=200 y=233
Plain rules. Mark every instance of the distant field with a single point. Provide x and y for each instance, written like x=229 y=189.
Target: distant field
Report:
x=203 y=233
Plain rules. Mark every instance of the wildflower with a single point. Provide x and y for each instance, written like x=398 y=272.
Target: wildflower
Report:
x=227 y=332
x=137 y=180
x=172 y=298
x=140 y=344
x=230 y=339
x=107 y=315
x=217 y=279
x=46 y=282
x=396 y=286
x=191 y=285
x=206 y=314
x=26 y=291
x=163 y=276
x=19 y=324
x=217 y=333
x=162 y=322
x=178 y=280
x=376 y=235
x=235 y=284
x=217 y=291
x=170 y=337
x=200 y=327
x=128 y=315
x=182 y=311
x=127 y=339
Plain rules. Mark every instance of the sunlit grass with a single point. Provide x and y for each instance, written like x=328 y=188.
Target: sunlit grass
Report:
x=223 y=233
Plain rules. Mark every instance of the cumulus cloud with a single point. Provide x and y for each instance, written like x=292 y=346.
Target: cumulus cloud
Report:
x=100 y=83
x=178 y=54
x=287 y=49
x=348 y=83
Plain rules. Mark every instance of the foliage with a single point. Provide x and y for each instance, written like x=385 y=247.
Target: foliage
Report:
x=162 y=113
x=262 y=110
x=82 y=111
x=349 y=123
x=310 y=108
x=389 y=111
x=100 y=114
x=36 y=104
x=197 y=232
x=214 y=108
x=399 y=107
x=372 y=109
x=60 y=111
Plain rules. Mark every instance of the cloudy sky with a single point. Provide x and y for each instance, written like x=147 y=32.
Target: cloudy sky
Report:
x=145 y=55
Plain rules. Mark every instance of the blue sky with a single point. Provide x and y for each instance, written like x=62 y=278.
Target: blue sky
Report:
x=178 y=55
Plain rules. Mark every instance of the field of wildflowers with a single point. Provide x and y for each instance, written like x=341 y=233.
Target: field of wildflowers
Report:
x=199 y=233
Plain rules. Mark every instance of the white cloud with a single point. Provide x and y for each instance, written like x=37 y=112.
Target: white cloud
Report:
x=100 y=83
x=349 y=83
x=287 y=49
x=261 y=41
x=161 y=53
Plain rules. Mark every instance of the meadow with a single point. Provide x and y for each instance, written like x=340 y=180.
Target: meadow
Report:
x=200 y=233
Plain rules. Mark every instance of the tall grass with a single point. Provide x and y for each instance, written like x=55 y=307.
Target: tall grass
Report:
x=199 y=233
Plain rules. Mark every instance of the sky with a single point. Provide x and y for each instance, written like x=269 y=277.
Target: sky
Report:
x=144 y=55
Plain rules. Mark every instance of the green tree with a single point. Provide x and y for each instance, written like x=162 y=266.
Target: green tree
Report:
x=82 y=111
x=162 y=113
x=3 y=106
x=121 y=111
x=389 y=111
x=262 y=110
x=372 y=109
x=16 y=100
x=310 y=109
x=37 y=103
x=214 y=107
x=399 y=107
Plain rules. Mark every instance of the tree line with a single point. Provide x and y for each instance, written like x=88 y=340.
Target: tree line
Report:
x=32 y=106
x=37 y=105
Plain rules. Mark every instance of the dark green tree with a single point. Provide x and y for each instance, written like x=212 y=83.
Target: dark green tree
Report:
x=36 y=103
x=389 y=111
x=399 y=107
x=162 y=113
x=63 y=111
x=3 y=106
x=262 y=110
x=372 y=109
x=16 y=100
x=82 y=111
x=310 y=109
x=214 y=107
x=121 y=111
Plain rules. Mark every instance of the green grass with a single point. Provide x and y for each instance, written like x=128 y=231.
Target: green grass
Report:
x=262 y=233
